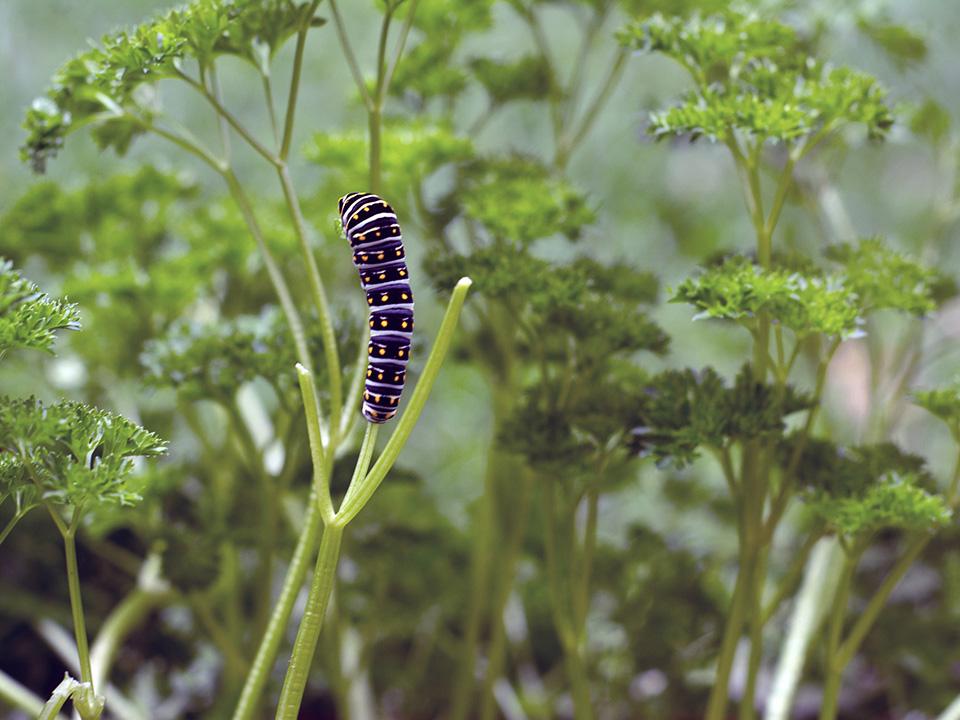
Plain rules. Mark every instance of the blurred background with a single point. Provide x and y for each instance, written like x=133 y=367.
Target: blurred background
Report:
x=660 y=207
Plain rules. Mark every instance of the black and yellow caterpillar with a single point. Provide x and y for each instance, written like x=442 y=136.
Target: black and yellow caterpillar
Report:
x=371 y=226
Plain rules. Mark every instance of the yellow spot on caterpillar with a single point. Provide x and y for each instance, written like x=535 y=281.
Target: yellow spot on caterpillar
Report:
x=403 y=324
x=379 y=376
x=366 y=278
x=369 y=351
x=366 y=396
x=369 y=372
x=360 y=238
x=403 y=296
x=393 y=401
x=403 y=273
x=364 y=257
x=371 y=323
x=382 y=351
x=396 y=378
x=383 y=323
x=380 y=256
x=383 y=298
x=376 y=398
x=369 y=301
x=396 y=230
x=399 y=253
x=400 y=353
x=367 y=209
x=356 y=215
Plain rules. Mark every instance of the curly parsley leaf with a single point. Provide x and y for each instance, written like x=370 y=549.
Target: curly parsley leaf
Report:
x=942 y=402
x=104 y=85
x=756 y=76
x=884 y=279
x=737 y=289
x=29 y=318
x=75 y=454
x=520 y=200
x=895 y=501
x=684 y=410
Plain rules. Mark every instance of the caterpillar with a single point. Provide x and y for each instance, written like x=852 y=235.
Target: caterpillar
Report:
x=371 y=226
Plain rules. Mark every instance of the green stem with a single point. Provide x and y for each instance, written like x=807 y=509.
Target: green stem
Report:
x=320 y=300
x=834 y=669
x=375 y=114
x=375 y=122
x=58 y=698
x=582 y=595
x=812 y=602
x=748 y=703
x=870 y=613
x=719 y=693
x=398 y=51
x=280 y=286
x=351 y=405
x=324 y=577
x=349 y=55
x=363 y=459
x=76 y=605
x=507 y=568
x=268 y=101
x=319 y=457
x=17 y=696
x=480 y=562
x=9 y=526
x=248 y=705
x=567 y=144
x=295 y=82
x=783 y=187
x=221 y=121
x=239 y=127
x=418 y=398
x=576 y=670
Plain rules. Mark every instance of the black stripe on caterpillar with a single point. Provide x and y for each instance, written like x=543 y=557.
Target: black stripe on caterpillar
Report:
x=371 y=226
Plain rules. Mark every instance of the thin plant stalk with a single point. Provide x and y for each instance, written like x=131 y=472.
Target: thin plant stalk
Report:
x=76 y=605
x=256 y=680
x=17 y=696
x=324 y=577
x=507 y=569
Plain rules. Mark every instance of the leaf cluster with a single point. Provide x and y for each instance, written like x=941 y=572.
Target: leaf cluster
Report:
x=72 y=453
x=682 y=411
x=432 y=68
x=944 y=403
x=139 y=250
x=412 y=151
x=871 y=276
x=884 y=279
x=755 y=76
x=519 y=200
x=894 y=501
x=866 y=487
x=563 y=426
x=103 y=84
x=28 y=317
x=528 y=78
x=739 y=290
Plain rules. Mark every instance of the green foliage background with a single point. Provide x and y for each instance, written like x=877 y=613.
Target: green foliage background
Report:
x=666 y=533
